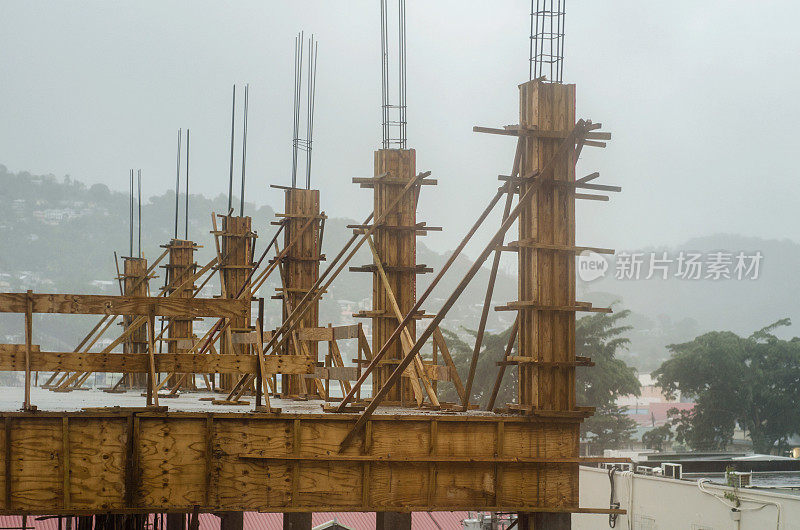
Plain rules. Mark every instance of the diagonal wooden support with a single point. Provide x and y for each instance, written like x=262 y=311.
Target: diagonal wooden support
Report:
x=576 y=134
x=487 y=301
x=262 y=367
x=438 y=338
x=322 y=283
x=457 y=252
x=152 y=394
x=406 y=340
x=502 y=368
x=336 y=360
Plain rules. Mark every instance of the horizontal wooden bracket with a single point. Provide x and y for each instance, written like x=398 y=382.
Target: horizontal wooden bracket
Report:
x=416 y=269
x=517 y=305
x=514 y=246
x=91 y=304
x=164 y=362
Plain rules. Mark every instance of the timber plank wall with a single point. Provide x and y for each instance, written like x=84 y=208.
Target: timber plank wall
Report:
x=86 y=462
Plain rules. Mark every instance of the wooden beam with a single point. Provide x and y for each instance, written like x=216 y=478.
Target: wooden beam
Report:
x=164 y=362
x=92 y=304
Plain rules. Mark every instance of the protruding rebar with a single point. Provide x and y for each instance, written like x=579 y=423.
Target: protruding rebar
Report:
x=298 y=79
x=139 y=194
x=230 y=178
x=130 y=215
x=244 y=148
x=304 y=144
x=394 y=131
x=178 y=180
x=313 y=47
x=546 y=46
x=186 y=209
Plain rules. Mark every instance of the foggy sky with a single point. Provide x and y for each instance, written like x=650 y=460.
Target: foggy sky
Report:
x=701 y=98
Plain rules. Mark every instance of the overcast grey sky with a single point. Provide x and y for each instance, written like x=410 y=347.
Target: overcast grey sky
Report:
x=701 y=97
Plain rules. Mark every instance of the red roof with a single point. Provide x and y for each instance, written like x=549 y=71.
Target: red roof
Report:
x=274 y=521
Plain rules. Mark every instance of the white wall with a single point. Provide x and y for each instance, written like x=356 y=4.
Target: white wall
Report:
x=662 y=503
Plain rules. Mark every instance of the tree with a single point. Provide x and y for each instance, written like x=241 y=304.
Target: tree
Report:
x=601 y=336
x=656 y=438
x=752 y=382
x=493 y=348
x=597 y=336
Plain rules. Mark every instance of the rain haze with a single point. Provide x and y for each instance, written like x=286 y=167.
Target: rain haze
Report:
x=697 y=95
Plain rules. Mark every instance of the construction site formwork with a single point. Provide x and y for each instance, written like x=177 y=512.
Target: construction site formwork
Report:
x=135 y=282
x=293 y=457
x=303 y=226
x=235 y=255
x=394 y=268
x=180 y=270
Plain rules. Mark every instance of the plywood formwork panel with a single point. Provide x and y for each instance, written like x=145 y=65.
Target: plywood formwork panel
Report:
x=237 y=261
x=301 y=270
x=547 y=275
x=96 y=463
x=395 y=242
x=135 y=283
x=181 y=268
x=151 y=462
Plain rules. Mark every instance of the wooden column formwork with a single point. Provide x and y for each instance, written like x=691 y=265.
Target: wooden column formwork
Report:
x=300 y=272
x=135 y=283
x=546 y=288
x=237 y=261
x=396 y=244
x=181 y=267
x=547 y=304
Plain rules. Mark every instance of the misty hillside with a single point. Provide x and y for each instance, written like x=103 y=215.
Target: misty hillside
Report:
x=57 y=235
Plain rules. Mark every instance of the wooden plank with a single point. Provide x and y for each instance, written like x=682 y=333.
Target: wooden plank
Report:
x=532 y=305
x=164 y=363
x=91 y=304
x=315 y=334
x=28 y=343
x=65 y=462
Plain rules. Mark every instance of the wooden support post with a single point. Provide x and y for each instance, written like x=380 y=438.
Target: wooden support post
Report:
x=176 y=521
x=487 y=301
x=231 y=521
x=152 y=393
x=547 y=277
x=236 y=263
x=406 y=340
x=395 y=242
x=135 y=282
x=180 y=273
x=26 y=405
x=549 y=521
x=300 y=271
x=297 y=521
x=393 y=521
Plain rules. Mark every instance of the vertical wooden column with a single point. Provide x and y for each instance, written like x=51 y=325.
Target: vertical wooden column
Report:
x=135 y=283
x=237 y=261
x=547 y=292
x=547 y=275
x=396 y=243
x=301 y=271
x=181 y=268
